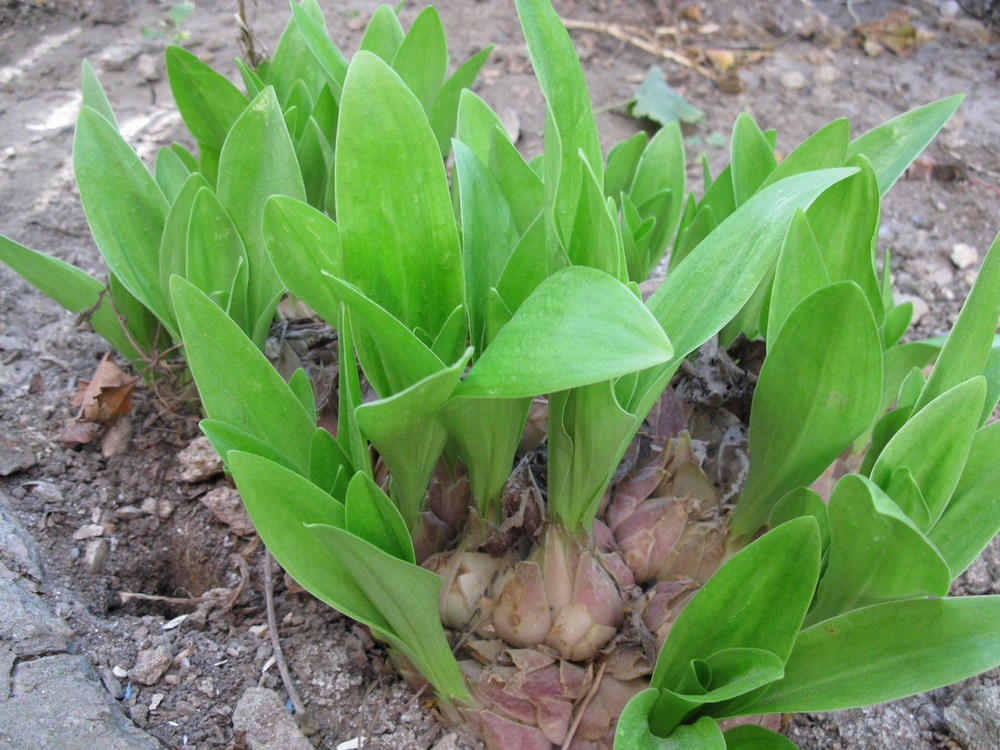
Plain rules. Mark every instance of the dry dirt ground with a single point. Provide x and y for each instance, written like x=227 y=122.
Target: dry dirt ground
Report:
x=798 y=66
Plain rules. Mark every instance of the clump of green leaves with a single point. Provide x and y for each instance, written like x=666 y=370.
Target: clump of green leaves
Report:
x=463 y=301
x=198 y=214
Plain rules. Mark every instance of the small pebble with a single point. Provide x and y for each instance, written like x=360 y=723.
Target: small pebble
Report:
x=151 y=665
x=964 y=256
x=89 y=531
x=155 y=701
x=119 y=671
x=199 y=461
x=128 y=513
x=826 y=74
x=920 y=308
x=95 y=556
x=149 y=506
x=164 y=508
x=949 y=8
x=793 y=80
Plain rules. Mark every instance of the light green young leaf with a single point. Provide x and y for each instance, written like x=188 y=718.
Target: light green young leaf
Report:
x=756 y=737
x=527 y=267
x=877 y=554
x=972 y=518
x=258 y=161
x=215 y=254
x=303 y=389
x=633 y=732
x=623 y=160
x=898 y=362
x=252 y=82
x=824 y=149
x=387 y=158
x=893 y=145
x=752 y=158
x=317 y=39
x=207 y=101
x=658 y=101
x=819 y=389
x=594 y=239
x=314 y=154
x=885 y=652
x=93 y=93
x=72 y=288
x=422 y=58
x=802 y=501
x=293 y=61
x=967 y=348
x=127 y=232
x=661 y=168
x=372 y=516
x=383 y=34
x=522 y=188
x=406 y=596
x=226 y=437
x=580 y=326
x=934 y=444
x=905 y=492
x=897 y=320
x=173 y=243
x=800 y=272
x=171 y=173
x=758 y=599
x=561 y=77
x=237 y=384
x=476 y=123
x=443 y=115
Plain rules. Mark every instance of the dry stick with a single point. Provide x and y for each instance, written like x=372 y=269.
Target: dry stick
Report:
x=616 y=31
x=272 y=626
x=582 y=707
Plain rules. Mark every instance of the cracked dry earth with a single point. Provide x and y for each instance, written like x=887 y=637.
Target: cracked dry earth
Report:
x=189 y=662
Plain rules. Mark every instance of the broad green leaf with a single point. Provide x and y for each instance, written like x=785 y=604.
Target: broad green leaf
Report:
x=383 y=34
x=898 y=362
x=171 y=173
x=476 y=124
x=406 y=596
x=127 y=232
x=893 y=145
x=877 y=554
x=330 y=58
x=934 y=444
x=207 y=101
x=756 y=737
x=93 y=93
x=594 y=239
x=237 y=384
x=215 y=253
x=173 y=243
x=293 y=62
x=905 y=492
x=885 y=652
x=522 y=188
x=303 y=389
x=561 y=78
x=752 y=158
x=802 y=501
x=659 y=102
x=443 y=114
x=488 y=236
x=527 y=267
x=304 y=246
x=251 y=81
x=967 y=349
x=758 y=599
x=623 y=160
x=72 y=288
x=800 y=272
x=422 y=59
x=972 y=518
x=313 y=154
x=845 y=219
x=226 y=437
x=328 y=463
x=580 y=326
x=257 y=161
x=819 y=389
x=407 y=431
x=824 y=149
x=397 y=228
x=185 y=156
x=633 y=732
x=689 y=237
x=897 y=320
x=372 y=516
x=301 y=101
x=662 y=168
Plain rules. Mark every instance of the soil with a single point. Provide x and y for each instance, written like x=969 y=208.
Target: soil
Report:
x=799 y=67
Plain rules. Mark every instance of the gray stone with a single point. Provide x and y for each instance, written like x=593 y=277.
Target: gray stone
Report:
x=14 y=457
x=226 y=505
x=151 y=665
x=793 y=80
x=974 y=717
x=964 y=256
x=261 y=714
x=58 y=702
x=28 y=625
x=199 y=461
x=16 y=545
x=95 y=555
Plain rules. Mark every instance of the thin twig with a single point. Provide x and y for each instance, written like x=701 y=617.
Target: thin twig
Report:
x=582 y=706
x=616 y=31
x=272 y=626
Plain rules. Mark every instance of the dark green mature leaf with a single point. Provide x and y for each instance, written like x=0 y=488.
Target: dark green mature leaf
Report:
x=93 y=93
x=422 y=58
x=819 y=389
x=304 y=246
x=127 y=232
x=580 y=326
x=406 y=596
x=758 y=599
x=756 y=737
x=967 y=348
x=633 y=731
x=561 y=77
x=845 y=219
x=893 y=145
x=444 y=112
x=877 y=554
x=659 y=102
x=207 y=101
x=752 y=158
x=934 y=444
x=237 y=383
x=397 y=226
x=885 y=652
x=257 y=161
x=489 y=235
x=972 y=518
x=72 y=288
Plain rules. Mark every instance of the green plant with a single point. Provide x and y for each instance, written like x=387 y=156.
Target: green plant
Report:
x=172 y=28
x=423 y=510
x=200 y=216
